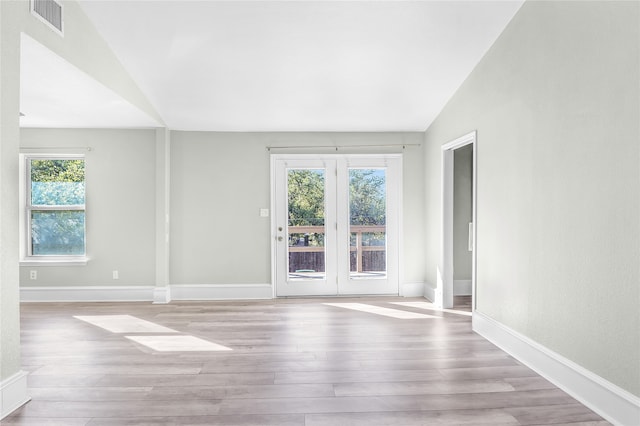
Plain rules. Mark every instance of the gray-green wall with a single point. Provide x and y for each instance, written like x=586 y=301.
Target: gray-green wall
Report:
x=219 y=182
x=555 y=103
x=120 y=178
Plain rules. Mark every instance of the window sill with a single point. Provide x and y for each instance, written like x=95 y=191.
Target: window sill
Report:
x=55 y=261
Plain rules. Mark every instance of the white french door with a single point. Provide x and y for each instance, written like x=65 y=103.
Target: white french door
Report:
x=336 y=227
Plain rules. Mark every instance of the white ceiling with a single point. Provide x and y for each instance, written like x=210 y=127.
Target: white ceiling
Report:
x=54 y=93
x=298 y=65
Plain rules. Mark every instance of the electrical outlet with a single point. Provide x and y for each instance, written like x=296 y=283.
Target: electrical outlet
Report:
x=115 y=275
x=33 y=275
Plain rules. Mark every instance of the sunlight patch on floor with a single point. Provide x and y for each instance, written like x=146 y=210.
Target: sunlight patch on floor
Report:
x=124 y=324
x=177 y=343
x=429 y=307
x=394 y=313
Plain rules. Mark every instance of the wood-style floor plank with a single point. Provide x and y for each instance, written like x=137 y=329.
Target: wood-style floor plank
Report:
x=242 y=420
x=435 y=418
x=396 y=403
x=292 y=362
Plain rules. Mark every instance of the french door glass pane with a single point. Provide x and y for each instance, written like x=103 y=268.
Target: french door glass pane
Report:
x=58 y=232
x=306 y=223
x=367 y=223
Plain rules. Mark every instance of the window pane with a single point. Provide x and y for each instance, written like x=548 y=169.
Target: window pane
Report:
x=57 y=182
x=367 y=222
x=57 y=232
x=306 y=230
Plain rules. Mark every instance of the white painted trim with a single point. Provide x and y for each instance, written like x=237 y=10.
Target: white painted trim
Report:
x=13 y=393
x=162 y=295
x=335 y=265
x=27 y=258
x=37 y=261
x=162 y=212
x=274 y=223
x=603 y=397
x=87 y=294
x=415 y=289
x=429 y=293
x=146 y=293
x=462 y=287
x=444 y=292
x=400 y=239
x=221 y=291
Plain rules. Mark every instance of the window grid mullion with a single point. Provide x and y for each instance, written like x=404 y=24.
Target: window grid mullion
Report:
x=56 y=207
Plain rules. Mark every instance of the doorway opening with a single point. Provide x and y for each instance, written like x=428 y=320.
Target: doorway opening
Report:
x=457 y=266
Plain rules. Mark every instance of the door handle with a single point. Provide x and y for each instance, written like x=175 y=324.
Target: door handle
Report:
x=280 y=238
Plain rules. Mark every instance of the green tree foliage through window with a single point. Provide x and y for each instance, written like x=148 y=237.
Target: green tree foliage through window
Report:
x=57 y=170
x=367 y=200
x=57 y=182
x=306 y=197
x=305 y=189
x=367 y=205
x=367 y=196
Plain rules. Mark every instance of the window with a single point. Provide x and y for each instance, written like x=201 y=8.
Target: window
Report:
x=54 y=212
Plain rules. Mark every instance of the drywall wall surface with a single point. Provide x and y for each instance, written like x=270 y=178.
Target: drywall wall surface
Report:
x=462 y=211
x=9 y=140
x=120 y=206
x=220 y=181
x=555 y=103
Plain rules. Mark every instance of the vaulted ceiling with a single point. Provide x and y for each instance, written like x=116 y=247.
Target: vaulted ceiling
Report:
x=290 y=65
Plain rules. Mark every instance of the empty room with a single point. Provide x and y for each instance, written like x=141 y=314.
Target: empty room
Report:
x=319 y=212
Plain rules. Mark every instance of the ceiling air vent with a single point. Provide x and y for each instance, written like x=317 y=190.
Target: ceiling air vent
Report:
x=50 y=12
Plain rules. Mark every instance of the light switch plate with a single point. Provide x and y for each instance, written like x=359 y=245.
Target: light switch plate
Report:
x=264 y=212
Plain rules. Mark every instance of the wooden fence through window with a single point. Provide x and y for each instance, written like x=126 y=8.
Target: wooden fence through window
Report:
x=305 y=256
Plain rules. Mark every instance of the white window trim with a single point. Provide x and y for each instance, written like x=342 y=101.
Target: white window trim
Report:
x=26 y=258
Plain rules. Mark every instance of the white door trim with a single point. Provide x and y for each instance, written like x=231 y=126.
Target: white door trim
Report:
x=391 y=160
x=284 y=286
x=393 y=165
x=444 y=289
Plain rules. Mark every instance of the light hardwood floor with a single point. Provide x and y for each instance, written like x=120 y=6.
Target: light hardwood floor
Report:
x=292 y=362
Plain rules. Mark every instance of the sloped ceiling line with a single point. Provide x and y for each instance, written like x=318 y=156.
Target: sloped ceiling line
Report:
x=298 y=65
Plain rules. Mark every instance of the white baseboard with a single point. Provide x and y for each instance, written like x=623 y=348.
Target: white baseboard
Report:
x=412 y=289
x=221 y=291
x=603 y=397
x=162 y=295
x=146 y=293
x=87 y=294
x=462 y=287
x=13 y=393
x=429 y=293
x=166 y=294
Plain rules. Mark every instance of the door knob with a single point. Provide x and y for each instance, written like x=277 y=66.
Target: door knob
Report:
x=280 y=238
